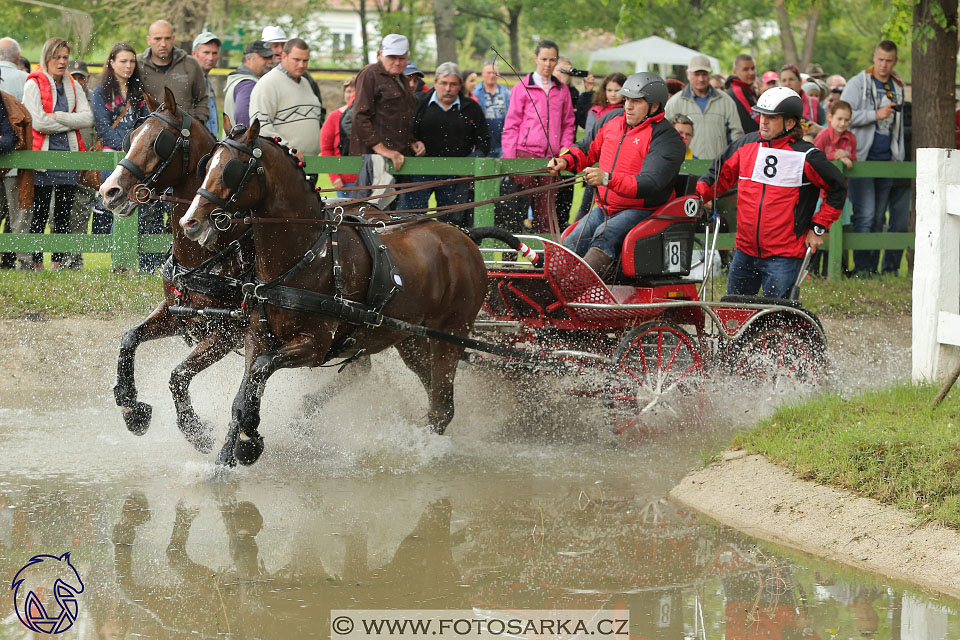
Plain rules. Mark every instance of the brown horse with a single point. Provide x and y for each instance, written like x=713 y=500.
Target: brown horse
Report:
x=160 y=154
x=443 y=282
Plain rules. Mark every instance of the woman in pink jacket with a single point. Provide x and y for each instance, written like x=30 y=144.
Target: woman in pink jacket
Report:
x=539 y=124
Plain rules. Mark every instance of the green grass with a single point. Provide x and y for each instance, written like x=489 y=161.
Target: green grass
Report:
x=93 y=292
x=884 y=444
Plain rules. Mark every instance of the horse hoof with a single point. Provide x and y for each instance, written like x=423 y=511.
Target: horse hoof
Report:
x=248 y=450
x=199 y=434
x=226 y=457
x=137 y=417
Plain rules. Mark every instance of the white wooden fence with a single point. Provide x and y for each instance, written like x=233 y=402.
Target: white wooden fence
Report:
x=936 y=275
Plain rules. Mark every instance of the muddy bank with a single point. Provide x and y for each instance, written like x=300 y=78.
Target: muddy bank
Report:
x=766 y=501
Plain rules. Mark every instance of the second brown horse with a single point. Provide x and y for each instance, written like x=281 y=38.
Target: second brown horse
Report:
x=442 y=273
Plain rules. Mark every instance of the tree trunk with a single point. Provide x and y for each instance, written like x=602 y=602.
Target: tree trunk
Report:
x=933 y=87
x=446 y=36
x=514 y=29
x=810 y=37
x=364 y=36
x=786 y=33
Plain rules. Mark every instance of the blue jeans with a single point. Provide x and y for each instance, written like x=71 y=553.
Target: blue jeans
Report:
x=348 y=194
x=871 y=197
x=775 y=275
x=446 y=195
x=603 y=231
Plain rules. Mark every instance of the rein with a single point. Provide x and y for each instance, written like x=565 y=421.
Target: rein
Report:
x=423 y=213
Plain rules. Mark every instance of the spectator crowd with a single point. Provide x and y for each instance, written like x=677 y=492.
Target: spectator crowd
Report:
x=392 y=110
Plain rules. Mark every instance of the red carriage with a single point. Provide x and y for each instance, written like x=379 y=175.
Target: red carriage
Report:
x=647 y=330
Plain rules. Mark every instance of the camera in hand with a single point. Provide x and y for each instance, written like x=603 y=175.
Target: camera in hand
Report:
x=576 y=73
x=896 y=107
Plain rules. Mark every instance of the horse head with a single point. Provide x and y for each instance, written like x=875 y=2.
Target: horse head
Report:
x=162 y=150
x=235 y=180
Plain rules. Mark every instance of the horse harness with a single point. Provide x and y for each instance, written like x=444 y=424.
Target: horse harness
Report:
x=385 y=282
x=202 y=280
x=385 y=278
x=165 y=146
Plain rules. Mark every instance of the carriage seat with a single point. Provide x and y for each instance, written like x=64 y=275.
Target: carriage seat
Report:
x=661 y=246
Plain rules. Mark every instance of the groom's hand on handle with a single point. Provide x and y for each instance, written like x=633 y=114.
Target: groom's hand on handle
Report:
x=556 y=165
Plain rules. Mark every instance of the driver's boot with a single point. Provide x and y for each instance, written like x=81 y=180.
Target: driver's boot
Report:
x=598 y=260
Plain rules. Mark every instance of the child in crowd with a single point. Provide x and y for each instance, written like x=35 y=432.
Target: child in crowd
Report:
x=838 y=143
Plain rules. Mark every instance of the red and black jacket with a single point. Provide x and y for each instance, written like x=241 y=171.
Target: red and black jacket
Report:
x=643 y=162
x=746 y=100
x=778 y=182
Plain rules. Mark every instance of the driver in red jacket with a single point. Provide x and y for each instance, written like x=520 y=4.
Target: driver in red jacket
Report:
x=778 y=177
x=639 y=155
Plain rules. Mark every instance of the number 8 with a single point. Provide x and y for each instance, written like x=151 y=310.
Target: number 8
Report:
x=770 y=170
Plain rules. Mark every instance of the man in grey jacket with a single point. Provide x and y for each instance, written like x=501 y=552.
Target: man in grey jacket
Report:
x=236 y=95
x=164 y=65
x=714 y=113
x=876 y=95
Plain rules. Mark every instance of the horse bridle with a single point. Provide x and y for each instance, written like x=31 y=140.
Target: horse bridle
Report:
x=235 y=176
x=165 y=146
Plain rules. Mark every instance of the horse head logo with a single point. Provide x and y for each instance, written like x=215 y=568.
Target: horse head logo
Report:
x=32 y=587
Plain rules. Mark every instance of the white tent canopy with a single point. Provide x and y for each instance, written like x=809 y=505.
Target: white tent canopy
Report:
x=650 y=51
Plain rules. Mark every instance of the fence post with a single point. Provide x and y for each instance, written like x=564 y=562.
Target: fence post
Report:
x=485 y=189
x=936 y=274
x=836 y=255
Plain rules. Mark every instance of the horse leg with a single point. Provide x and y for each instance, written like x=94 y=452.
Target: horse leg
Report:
x=244 y=443
x=159 y=324
x=435 y=364
x=443 y=368
x=208 y=351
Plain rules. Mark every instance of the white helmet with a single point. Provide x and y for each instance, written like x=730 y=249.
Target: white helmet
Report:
x=780 y=101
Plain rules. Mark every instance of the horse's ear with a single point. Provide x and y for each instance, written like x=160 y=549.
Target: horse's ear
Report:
x=170 y=101
x=152 y=102
x=227 y=124
x=254 y=131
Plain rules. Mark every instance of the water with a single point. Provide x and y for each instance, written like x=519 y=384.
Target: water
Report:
x=354 y=506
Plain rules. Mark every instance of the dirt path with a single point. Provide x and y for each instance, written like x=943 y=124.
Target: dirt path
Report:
x=764 y=500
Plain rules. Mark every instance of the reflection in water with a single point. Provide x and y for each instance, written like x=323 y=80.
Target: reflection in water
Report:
x=221 y=565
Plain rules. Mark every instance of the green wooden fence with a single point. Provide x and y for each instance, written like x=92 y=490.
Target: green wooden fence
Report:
x=124 y=243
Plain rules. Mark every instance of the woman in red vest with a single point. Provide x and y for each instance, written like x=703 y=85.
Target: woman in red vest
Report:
x=59 y=107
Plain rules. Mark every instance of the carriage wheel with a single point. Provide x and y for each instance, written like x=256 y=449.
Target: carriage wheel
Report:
x=777 y=354
x=656 y=365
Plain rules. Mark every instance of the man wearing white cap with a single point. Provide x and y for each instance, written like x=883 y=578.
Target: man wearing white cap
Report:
x=383 y=105
x=714 y=113
x=276 y=37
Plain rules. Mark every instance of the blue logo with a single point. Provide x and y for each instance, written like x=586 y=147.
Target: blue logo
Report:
x=33 y=585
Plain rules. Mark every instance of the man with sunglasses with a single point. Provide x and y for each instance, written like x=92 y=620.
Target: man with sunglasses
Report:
x=876 y=95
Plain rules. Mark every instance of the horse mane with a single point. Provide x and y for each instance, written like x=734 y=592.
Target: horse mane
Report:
x=288 y=153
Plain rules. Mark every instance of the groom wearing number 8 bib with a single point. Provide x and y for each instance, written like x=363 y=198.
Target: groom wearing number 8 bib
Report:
x=778 y=177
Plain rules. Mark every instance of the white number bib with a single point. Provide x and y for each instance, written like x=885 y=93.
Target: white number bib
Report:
x=779 y=167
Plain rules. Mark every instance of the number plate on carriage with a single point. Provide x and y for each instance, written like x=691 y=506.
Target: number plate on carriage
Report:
x=673 y=257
